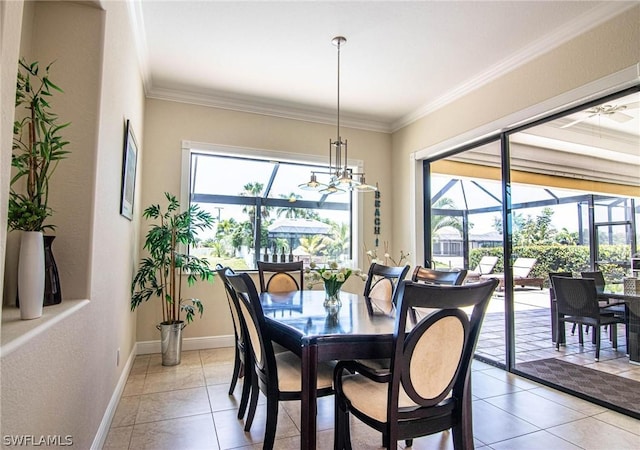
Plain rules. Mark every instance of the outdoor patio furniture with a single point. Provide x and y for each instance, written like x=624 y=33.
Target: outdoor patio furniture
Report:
x=484 y=267
x=521 y=274
x=577 y=302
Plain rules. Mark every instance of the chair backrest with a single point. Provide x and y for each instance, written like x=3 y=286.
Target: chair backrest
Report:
x=253 y=320
x=576 y=296
x=486 y=265
x=432 y=359
x=233 y=307
x=523 y=266
x=451 y=278
x=552 y=291
x=281 y=276
x=596 y=276
x=382 y=282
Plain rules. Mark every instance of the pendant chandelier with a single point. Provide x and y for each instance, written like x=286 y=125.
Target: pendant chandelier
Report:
x=341 y=177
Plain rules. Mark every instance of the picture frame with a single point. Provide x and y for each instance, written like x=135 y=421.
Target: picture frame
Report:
x=129 y=166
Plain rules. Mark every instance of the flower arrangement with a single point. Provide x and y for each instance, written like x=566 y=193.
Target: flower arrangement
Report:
x=373 y=256
x=332 y=275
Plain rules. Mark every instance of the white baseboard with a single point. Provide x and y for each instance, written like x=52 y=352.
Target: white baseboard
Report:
x=143 y=348
x=105 y=424
x=199 y=343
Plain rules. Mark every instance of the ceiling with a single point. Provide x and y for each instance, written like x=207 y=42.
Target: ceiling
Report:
x=401 y=60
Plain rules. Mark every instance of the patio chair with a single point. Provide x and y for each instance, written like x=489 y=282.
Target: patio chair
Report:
x=521 y=274
x=617 y=308
x=577 y=302
x=484 y=267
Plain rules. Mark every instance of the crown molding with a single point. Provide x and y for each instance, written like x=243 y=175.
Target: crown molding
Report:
x=269 y=108
x=249 y=104
x=136 y=20
x=578 y=26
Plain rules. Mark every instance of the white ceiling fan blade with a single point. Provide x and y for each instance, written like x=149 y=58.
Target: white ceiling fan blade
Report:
x=632 y=105
x=620 y=117
x=570 y=124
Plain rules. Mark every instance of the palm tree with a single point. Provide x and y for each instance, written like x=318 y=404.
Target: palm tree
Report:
x=440 y=221
x=314 y=245
x=253 y=190
x=340 y=239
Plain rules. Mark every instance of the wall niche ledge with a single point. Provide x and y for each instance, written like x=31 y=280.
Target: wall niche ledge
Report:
x=16 y=332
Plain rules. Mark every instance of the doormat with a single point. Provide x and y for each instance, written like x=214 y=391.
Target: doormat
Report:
x=623 y=394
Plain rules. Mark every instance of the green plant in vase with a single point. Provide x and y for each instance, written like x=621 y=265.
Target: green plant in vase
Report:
x=37 y=148
x=160 y=274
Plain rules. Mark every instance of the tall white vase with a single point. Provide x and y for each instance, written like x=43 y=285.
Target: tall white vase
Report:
x=31 y=275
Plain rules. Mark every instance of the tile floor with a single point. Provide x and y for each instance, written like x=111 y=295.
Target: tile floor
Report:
x=187 y=407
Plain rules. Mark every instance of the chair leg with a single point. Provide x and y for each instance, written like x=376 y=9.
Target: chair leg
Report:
x=246 y=393
x=614 y=338
x=272 y=422
x=236 y=371
x=597 y=343
x=341 y=439
x=573 y=329
x=580 y=335
x=253 y=402
x=408 y=442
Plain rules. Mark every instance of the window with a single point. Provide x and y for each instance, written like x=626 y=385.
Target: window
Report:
x=259 y=211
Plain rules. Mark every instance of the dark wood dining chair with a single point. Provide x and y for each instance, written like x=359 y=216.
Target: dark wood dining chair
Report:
x=278 y=376
x=577 y=302
x=381 y=286
x=281 y=277
x=241 y=355
x=444 y=277
x=427 y=388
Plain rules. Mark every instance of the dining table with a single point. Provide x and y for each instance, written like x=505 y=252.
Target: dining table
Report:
x=360 y=328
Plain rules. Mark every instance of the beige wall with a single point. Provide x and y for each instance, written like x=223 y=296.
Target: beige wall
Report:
x=605 y=50
x=62 y=380
x=168 y=123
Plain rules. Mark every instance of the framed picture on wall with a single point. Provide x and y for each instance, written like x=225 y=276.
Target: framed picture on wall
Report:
x=129 y=159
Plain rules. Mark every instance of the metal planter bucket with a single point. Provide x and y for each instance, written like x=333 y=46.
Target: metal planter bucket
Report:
x=171 y=342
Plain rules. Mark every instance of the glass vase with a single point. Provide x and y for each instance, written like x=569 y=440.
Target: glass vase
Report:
x=332 y=296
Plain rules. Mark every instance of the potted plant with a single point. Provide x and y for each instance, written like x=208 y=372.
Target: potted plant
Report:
x=37 y=149
x=160 y=274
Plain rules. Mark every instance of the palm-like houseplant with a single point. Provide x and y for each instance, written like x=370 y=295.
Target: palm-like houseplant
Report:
x=37 y=149
x=160 y=274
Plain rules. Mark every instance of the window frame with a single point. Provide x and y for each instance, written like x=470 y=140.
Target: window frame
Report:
x=191 y=147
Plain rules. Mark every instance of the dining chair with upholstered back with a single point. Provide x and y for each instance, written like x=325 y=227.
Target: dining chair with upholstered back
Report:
x=281 y=277
x=577 y=302
x=444 y=277
x=381 y=286
x=426 y=389
x=241 y=360
x=277 y=376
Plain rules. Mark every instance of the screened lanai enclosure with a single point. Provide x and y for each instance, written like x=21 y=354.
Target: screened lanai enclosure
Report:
x=562 y=194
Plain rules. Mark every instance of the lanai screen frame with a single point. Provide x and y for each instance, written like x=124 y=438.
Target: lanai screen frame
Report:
x=508 y=208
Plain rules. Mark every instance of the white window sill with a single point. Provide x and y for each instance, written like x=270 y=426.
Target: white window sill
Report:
x=16 y=332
